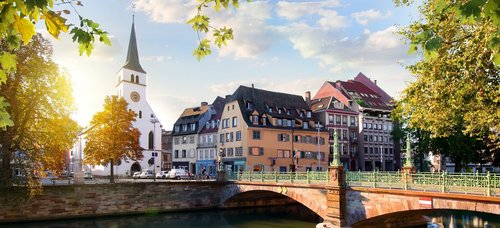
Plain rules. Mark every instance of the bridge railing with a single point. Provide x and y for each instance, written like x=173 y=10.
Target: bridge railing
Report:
x=311 y=177
x=463 y=183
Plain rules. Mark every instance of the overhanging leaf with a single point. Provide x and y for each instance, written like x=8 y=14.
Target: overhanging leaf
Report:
x=25 y=28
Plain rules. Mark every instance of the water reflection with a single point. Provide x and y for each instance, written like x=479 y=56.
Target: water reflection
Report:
x=289 y=216
x=434 y=219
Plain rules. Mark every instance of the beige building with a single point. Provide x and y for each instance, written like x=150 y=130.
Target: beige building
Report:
x=269 y=131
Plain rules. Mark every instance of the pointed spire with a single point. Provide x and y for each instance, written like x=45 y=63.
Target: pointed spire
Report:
x=132 y=62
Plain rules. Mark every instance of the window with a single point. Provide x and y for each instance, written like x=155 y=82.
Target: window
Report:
x=249 y=105
x=283 y=154
x=183 y=153
x=132 y=78
x=344 y=120
x=308 y=114
x=176 y=140
x=370 y=138
x=140 y=114
x=256 y=151
x=193 y=126
x=235 y=121
x=331 y=118
x=221 y=138
x=137 y=79
x=306 y=125
x=371 y=150
x=256 y=134
x=191 y=139
x=184 y=140
x=176 y=128
x=176 y=154
x=263 y=120
x=231 y=136
x=337 y=119
x=230 y=152
x=288 y=111
x=255 y=119
x=151 y=140
x=238 y=151
x=279 y=110
x=288 y=123
x=283 y=137
x=238 y=136
x=269 y=109
x=365 y=125
x=184 y=127
x=352 y=120
x=366 y=150
x=227 y=137
x=279 y=122
x=365 y=137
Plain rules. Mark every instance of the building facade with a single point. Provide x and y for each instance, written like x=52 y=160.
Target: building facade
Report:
x=269 y=131
x=131 y=85
x=375 y=148
x=166 y=150
x=185 y=136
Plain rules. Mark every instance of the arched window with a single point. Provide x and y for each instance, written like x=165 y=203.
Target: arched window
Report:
x=137 y=79
x=151 y=140
x=140 y=114
x=132 y=78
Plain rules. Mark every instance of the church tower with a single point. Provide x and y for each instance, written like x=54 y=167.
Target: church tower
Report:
x=132 y=87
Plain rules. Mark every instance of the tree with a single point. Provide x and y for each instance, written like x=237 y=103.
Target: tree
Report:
x=457 y=83
x=40 y=101
x=17 y=25
x=201 y=24
x=112 y=136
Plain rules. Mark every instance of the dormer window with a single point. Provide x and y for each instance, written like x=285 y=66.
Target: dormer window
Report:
x=270 y=110
x=288 y=111
x=279 y=122
x=213 y=124
x=184 y=127
x=308 y=114
x=263 y=120
x=279 y=110
x=249 y=105
x=301 y=114
x=255 y=120
x=176 y=128
x=288 y=123
x=207 y=125
x=306 y=125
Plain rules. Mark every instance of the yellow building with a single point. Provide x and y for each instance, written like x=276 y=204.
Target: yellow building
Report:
x=269 y=131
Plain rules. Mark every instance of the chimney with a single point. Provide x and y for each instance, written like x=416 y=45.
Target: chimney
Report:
x=308 y=97
x=227 y=97
x=253 y=86
x=204 y=103
x=375 y=81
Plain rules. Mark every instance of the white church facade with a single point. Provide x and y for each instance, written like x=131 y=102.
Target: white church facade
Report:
x=131 y=85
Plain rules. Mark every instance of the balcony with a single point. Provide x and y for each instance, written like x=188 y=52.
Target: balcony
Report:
x=206 y=145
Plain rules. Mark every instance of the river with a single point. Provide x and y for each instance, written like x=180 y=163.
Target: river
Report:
x=293 y=216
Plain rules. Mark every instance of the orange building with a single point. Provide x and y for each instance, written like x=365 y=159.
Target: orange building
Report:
x=269 y=131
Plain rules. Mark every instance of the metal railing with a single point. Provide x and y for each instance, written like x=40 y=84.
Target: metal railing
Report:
x=462 y=183
x=311 y=177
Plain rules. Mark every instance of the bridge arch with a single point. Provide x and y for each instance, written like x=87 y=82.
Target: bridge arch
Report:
x=312 y=198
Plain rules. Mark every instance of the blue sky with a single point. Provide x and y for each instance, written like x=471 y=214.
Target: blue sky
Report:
x=287 y=46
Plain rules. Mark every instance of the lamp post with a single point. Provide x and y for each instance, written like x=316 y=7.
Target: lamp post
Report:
x=318 y=126
x=408 y=162
x=336 y=159
x=219 y=160
x=381 y=159
x=154 y=120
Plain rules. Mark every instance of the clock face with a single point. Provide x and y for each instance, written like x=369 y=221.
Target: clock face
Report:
x=135 y=96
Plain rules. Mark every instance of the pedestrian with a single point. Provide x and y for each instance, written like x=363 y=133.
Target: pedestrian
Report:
x=203 y=172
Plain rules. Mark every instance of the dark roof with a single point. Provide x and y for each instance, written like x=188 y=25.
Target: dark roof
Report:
x=327 y=103
x=363 y=95
x=262 y=100
x=132 y=62
x=218 y=106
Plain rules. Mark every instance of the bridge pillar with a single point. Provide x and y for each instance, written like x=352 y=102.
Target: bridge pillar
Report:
x=335 y=196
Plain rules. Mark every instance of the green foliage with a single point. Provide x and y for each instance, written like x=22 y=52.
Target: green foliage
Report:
x=457 y=86
x=17 y=25
x=41 y=132
x=112 y=136
x=201 y=24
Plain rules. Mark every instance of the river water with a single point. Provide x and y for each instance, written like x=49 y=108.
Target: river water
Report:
x=290 y=216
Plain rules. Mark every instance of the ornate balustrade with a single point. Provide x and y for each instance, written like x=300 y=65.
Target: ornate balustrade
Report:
x=462 y=183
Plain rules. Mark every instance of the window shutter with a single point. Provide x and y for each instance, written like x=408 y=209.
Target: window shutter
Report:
x=261 y=151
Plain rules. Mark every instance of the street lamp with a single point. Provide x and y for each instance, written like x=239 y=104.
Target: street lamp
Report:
x=154 y=154
x=318 y=126
x=381 y=159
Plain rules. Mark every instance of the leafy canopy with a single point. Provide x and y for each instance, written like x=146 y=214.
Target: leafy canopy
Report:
x=201 y=24
x=457 y=83
x=17 y=26
x=112 y=136
x=41 y=103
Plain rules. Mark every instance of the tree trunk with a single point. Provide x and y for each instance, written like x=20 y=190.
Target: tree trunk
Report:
x=5 y=172
x=112 y=173
x=458 y=165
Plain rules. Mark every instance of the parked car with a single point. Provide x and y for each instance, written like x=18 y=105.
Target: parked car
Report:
x=87 y=175
x=136 y=175
x=179 y=174
x=162 y=175
x=146 y=174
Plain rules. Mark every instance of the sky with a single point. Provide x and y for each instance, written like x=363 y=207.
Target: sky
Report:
x=285 y=46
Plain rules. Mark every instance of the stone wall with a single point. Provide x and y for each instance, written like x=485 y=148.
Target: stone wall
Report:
x=110 y=199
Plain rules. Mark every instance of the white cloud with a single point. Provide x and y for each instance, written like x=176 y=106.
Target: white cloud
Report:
x=167 y=11
x=331 y=19
x=156 y=58
x=385 y=39
x=364 y=17
x=296 y=10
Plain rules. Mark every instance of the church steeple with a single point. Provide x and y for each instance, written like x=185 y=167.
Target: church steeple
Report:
x=132 y=62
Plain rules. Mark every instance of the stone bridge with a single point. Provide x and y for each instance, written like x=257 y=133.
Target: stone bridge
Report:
x=342 y=203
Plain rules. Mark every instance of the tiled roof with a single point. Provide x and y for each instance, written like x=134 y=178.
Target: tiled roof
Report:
x=363 y=95
x=218 y=106
x=327 y=103
x=290 y=105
